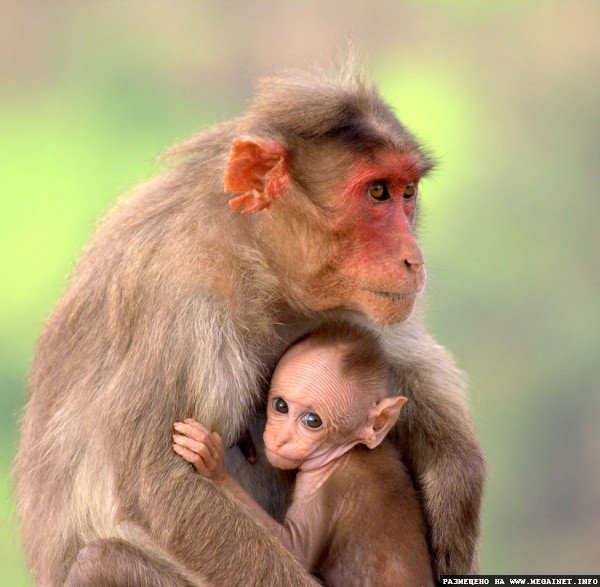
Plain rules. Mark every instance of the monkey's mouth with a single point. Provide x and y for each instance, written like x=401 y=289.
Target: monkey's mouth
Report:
x=395 y=297
x=281 y=461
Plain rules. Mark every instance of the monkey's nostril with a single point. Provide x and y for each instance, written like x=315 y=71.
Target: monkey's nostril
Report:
x=414 y=266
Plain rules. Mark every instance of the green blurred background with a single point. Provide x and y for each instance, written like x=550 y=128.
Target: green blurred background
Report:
x=506 y=94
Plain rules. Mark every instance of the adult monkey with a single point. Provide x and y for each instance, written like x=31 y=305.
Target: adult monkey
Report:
x=181 y=307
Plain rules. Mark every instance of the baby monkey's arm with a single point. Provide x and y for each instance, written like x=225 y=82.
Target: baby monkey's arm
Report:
x=204 y=449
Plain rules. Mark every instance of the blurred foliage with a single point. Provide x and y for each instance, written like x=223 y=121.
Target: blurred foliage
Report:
x=505 y=94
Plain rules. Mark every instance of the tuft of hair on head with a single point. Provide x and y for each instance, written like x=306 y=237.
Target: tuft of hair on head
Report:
x=307 y=106
x=341 y=108
x=362 y=359
x=325 y=120
x=350 y=64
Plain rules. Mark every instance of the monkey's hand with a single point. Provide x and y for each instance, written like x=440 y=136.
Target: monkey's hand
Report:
x=201 y=447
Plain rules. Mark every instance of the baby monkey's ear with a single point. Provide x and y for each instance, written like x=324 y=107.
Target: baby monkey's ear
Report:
x=382 y=416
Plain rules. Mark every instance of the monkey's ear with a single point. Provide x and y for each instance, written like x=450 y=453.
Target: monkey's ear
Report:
x=256 y=170
x=382 y=417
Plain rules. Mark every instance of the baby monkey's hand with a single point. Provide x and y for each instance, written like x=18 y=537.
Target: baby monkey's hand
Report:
x=201 y=447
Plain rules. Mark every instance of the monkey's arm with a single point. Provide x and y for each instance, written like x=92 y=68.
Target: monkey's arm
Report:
x=204 y=449
x=214 y=536
x=288 y=533
x=436 y=436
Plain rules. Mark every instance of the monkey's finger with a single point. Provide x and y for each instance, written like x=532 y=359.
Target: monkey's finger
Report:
x=199 y=448
x=193 y=458
x=216 y=442
x=201 y=463
x=196 y=424
x=199 y=429
x=247 y=447
x=193 y=430
x=212 y=440
x=188 y=455
x=214 y=445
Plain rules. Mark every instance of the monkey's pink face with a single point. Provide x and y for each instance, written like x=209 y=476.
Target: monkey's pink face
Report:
x=381 y=265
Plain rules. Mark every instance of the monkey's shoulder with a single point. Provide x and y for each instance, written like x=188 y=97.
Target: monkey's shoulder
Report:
x=377 y=471
x=372 y=489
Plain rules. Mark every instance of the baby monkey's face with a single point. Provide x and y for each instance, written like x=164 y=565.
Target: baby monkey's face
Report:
x=312 y=411
x=294 y=433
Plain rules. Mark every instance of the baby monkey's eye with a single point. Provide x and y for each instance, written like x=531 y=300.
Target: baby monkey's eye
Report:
x=312 y=420
x=280 y=405
x=378 y=191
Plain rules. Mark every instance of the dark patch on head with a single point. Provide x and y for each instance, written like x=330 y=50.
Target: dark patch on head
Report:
x=303 y=112
x=356 y=134
x=348 y=124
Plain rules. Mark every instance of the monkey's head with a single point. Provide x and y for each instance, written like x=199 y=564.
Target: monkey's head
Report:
x=333 y=178
x=329 y=392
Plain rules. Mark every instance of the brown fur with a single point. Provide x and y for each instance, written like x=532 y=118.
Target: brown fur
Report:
x=377 y=536
x=180 y=308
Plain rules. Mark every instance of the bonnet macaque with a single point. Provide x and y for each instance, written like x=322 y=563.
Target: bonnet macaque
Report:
x=354 y=518
x=301 y=210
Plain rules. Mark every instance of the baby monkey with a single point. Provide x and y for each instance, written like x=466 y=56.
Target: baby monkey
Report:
x=355 y=518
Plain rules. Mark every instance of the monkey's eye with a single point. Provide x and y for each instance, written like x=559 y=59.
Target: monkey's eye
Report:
x=312 y=420
x=280 y=405
x=378 y=191
x=409 y=191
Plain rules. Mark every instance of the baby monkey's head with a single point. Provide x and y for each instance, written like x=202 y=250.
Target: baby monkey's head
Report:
x=330 y=391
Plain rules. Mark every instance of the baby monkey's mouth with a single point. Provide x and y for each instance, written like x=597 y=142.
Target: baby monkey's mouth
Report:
x=280 y=461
